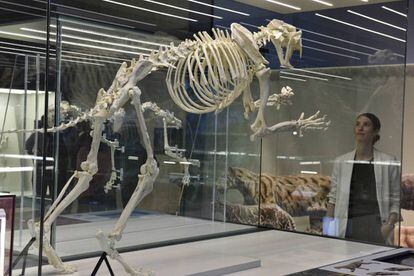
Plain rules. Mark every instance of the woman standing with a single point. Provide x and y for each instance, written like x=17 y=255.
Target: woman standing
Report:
x=364 y=197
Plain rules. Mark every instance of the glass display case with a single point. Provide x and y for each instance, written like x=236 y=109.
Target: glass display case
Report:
x=162 y=169
x=7 y=207
x=353 y=63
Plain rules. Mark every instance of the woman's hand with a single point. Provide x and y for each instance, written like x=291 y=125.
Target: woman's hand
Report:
x=388 y=227
x=386 y=231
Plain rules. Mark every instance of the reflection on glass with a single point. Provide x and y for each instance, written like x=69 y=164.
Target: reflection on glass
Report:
x=365 y=191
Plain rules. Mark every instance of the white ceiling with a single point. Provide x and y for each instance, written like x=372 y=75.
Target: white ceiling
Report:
x=307 y=5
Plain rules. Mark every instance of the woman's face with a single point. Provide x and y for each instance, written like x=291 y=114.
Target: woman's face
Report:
x=364 y=130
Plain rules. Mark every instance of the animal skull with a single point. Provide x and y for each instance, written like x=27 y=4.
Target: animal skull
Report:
x=282 y=35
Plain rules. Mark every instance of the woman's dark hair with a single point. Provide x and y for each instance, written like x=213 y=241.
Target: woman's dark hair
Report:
x=376 y=123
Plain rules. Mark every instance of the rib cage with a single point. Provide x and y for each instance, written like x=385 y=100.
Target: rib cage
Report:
x=216 y=70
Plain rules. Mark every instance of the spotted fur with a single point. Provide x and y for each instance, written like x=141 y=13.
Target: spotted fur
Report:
x=271 y=215
x=295 y=194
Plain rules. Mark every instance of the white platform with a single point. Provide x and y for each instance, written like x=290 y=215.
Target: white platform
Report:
x=78 y=239
x=280 y=253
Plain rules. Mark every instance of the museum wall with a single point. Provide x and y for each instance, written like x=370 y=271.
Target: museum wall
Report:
x=11 y=181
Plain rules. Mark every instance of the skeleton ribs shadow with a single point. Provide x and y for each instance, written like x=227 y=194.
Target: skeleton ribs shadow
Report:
x=218 y=69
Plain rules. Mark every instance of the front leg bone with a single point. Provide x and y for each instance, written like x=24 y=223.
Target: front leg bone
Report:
x=112 y=145
x=300 y=125
x=264 y=82
x=248 y=103
x=149 y=172
x=89 y=167
x=312 y=122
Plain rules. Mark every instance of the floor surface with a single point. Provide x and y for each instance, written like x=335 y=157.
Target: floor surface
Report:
x=278 y=252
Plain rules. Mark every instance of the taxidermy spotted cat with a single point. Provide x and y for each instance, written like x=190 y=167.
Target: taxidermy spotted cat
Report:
x=295 y=194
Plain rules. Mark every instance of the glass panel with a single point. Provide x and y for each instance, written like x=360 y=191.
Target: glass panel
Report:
x=212 y=173
x=7 y=207
x=22 y=102
x=407 y=199
x=180 y=206
x=351 y=64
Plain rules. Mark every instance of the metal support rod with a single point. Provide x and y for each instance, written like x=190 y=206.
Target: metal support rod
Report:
x=42 y=186
x=213 y=201
x=22 y=162
x=36 y=142
x=58 y=98
x=226 y=164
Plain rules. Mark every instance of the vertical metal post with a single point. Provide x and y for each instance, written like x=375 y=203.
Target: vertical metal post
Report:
x=405 y=107
x=36 y=142
x=42 y=188
x=226 y=164
x=58 y=98
x=22 y=161
x=213 y=201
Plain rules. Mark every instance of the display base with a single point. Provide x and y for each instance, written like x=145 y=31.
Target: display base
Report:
x=177 y=260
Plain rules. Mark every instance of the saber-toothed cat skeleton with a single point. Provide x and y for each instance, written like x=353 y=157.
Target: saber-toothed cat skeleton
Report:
x=218 y=70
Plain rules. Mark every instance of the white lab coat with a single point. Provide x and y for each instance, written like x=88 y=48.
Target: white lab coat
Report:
x=387 y=178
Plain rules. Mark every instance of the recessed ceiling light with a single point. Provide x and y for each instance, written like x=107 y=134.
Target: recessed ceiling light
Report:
x=74 y=43
x=102 y=48
x=182 y=9
x=359 y=27
x=86 y=24
x=218 y=7
x=76 y=15
x=303 y=76
x=247 y=24
x=289 y=78
x=12 y=53
x=308 y=172
x=19 y=49
x=221 y=27
x=23 y=35
x=284 y=5
x=340 y=39
x=149 y=10
x=335 y=46
x=23 y=45
x=23 y=156
x=323 y=3
x=16 y=169
x=330 y=52
x=376 y=20
x=111 y=36
x=394 y=11
x=90 y=59
x=91 y=55
x=83 y=62
x=90 y=40
x=322 y=74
